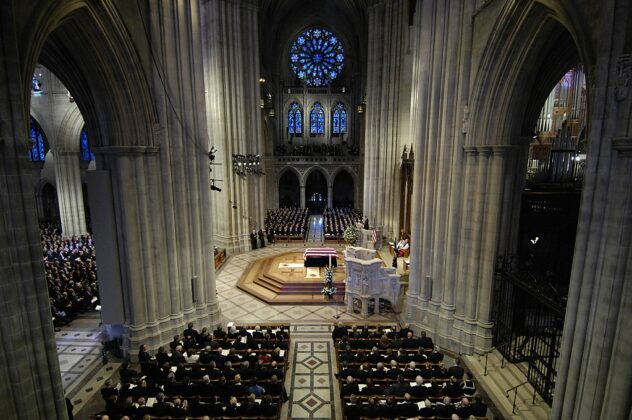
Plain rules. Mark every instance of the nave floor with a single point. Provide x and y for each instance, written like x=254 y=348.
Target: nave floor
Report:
x=83 y=373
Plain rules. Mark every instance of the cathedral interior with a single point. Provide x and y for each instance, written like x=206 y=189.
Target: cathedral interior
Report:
x=161 y=158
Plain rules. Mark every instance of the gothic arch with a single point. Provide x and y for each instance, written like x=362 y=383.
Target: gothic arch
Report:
x=514 y=62
x=324 y=171
x=70 y=130
x=89 y=48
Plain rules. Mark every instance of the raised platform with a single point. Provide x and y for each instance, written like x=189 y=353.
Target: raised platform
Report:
x=282 y=280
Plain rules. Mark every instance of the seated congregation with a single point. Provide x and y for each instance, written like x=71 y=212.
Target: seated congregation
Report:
x=71 y=275
x=286 y=223
x=337 y=220
x=224 y=374
x=385 y=373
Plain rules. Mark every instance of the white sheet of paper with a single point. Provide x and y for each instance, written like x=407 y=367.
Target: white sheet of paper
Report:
x=150 y=402
x=282 y=353
x=174 y=369
x=421 y=404
x=244 y=340
x=94 y=299
x=361 y=387
x=224 y=352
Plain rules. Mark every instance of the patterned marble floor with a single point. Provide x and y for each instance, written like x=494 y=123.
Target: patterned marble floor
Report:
x=312 y=386
x=79 y=351
x=240 y=306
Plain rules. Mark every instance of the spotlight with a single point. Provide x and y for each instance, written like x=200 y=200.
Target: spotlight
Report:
x=214 y=188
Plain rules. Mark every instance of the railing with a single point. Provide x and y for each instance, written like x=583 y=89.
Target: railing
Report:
x=528 y=323
x=515 y=390
x=486 y=354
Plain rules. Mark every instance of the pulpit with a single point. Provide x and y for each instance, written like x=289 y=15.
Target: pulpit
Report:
x=368 y=280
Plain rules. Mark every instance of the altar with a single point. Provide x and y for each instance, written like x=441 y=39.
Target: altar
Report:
x=320 y=257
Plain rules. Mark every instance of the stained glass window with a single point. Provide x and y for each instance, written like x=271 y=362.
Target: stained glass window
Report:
x=295 y=119
x=339 y=119
x=317 y=57
x=36 y=85
x=40 y=146
x=84 y=141
x=317 y=119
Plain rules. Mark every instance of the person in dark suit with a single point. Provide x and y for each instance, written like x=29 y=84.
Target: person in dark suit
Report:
x=253 y=239
x=238 y=389
x=468 y=388
x=353 y=410
x=410 y=342
x=456 y=370
x=435 y=356
x=160 y=407
x=399 y=388
x=444 y=408
x=390 y=409
x=162 y=356
x=371 y=388
x=190 y=332
x=424 y=341
x=262 y=241
x=427 y=410
x=339 y=331
x=419 y=390
x=350 y=387
x=371 y=410
x=375 y=356
x=464 y=409
x=143 y=355
x=452 y=388
x=408 y=408
x=479 y=408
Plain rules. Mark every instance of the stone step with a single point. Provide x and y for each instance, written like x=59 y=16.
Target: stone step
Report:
x=499 y=380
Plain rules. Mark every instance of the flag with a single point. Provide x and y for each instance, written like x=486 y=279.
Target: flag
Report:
x=374 y=236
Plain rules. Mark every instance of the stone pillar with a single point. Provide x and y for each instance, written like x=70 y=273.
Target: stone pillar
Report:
x=440 y=78
x=231 y=58
x=387 y=29
x=330 y=196
x=70 y=193
x=595 y=372
x=30 y=380
x=161 y=194
x=303 y=201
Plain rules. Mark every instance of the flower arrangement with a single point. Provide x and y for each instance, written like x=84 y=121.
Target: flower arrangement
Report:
x=329 y=289
x=351 y=235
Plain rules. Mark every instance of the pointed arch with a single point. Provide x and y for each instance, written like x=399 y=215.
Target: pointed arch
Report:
x=295 y=119
x=339 y=119
x=317 y=119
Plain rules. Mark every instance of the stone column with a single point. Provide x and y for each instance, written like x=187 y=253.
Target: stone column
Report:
x=387 y=29
x=440 y=78
x=70 y=193
x=231 y=58
x=30 y=380
x=303 y=200
x=161 y=194
x=330 y=196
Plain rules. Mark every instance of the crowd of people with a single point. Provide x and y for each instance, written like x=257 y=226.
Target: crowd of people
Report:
x=389 y=373
x=337 y=220
x=71 y=273
x=286 y=222
x=234 y=373
x=310 y=150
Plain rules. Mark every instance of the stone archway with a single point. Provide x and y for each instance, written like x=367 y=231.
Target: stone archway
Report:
x=343 y=190
x=316 y=189
x=289 y=189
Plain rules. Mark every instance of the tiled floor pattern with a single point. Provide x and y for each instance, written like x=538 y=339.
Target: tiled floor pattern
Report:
x=80 y=361
x=311 y=383
x=239 y=306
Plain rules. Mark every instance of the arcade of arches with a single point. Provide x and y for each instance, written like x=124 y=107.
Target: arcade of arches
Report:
x=481 y=129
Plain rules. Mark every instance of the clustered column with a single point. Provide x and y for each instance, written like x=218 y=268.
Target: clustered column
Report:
x=69 y=193
x=383 y=141
x=231 y=58
x=444 y=167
